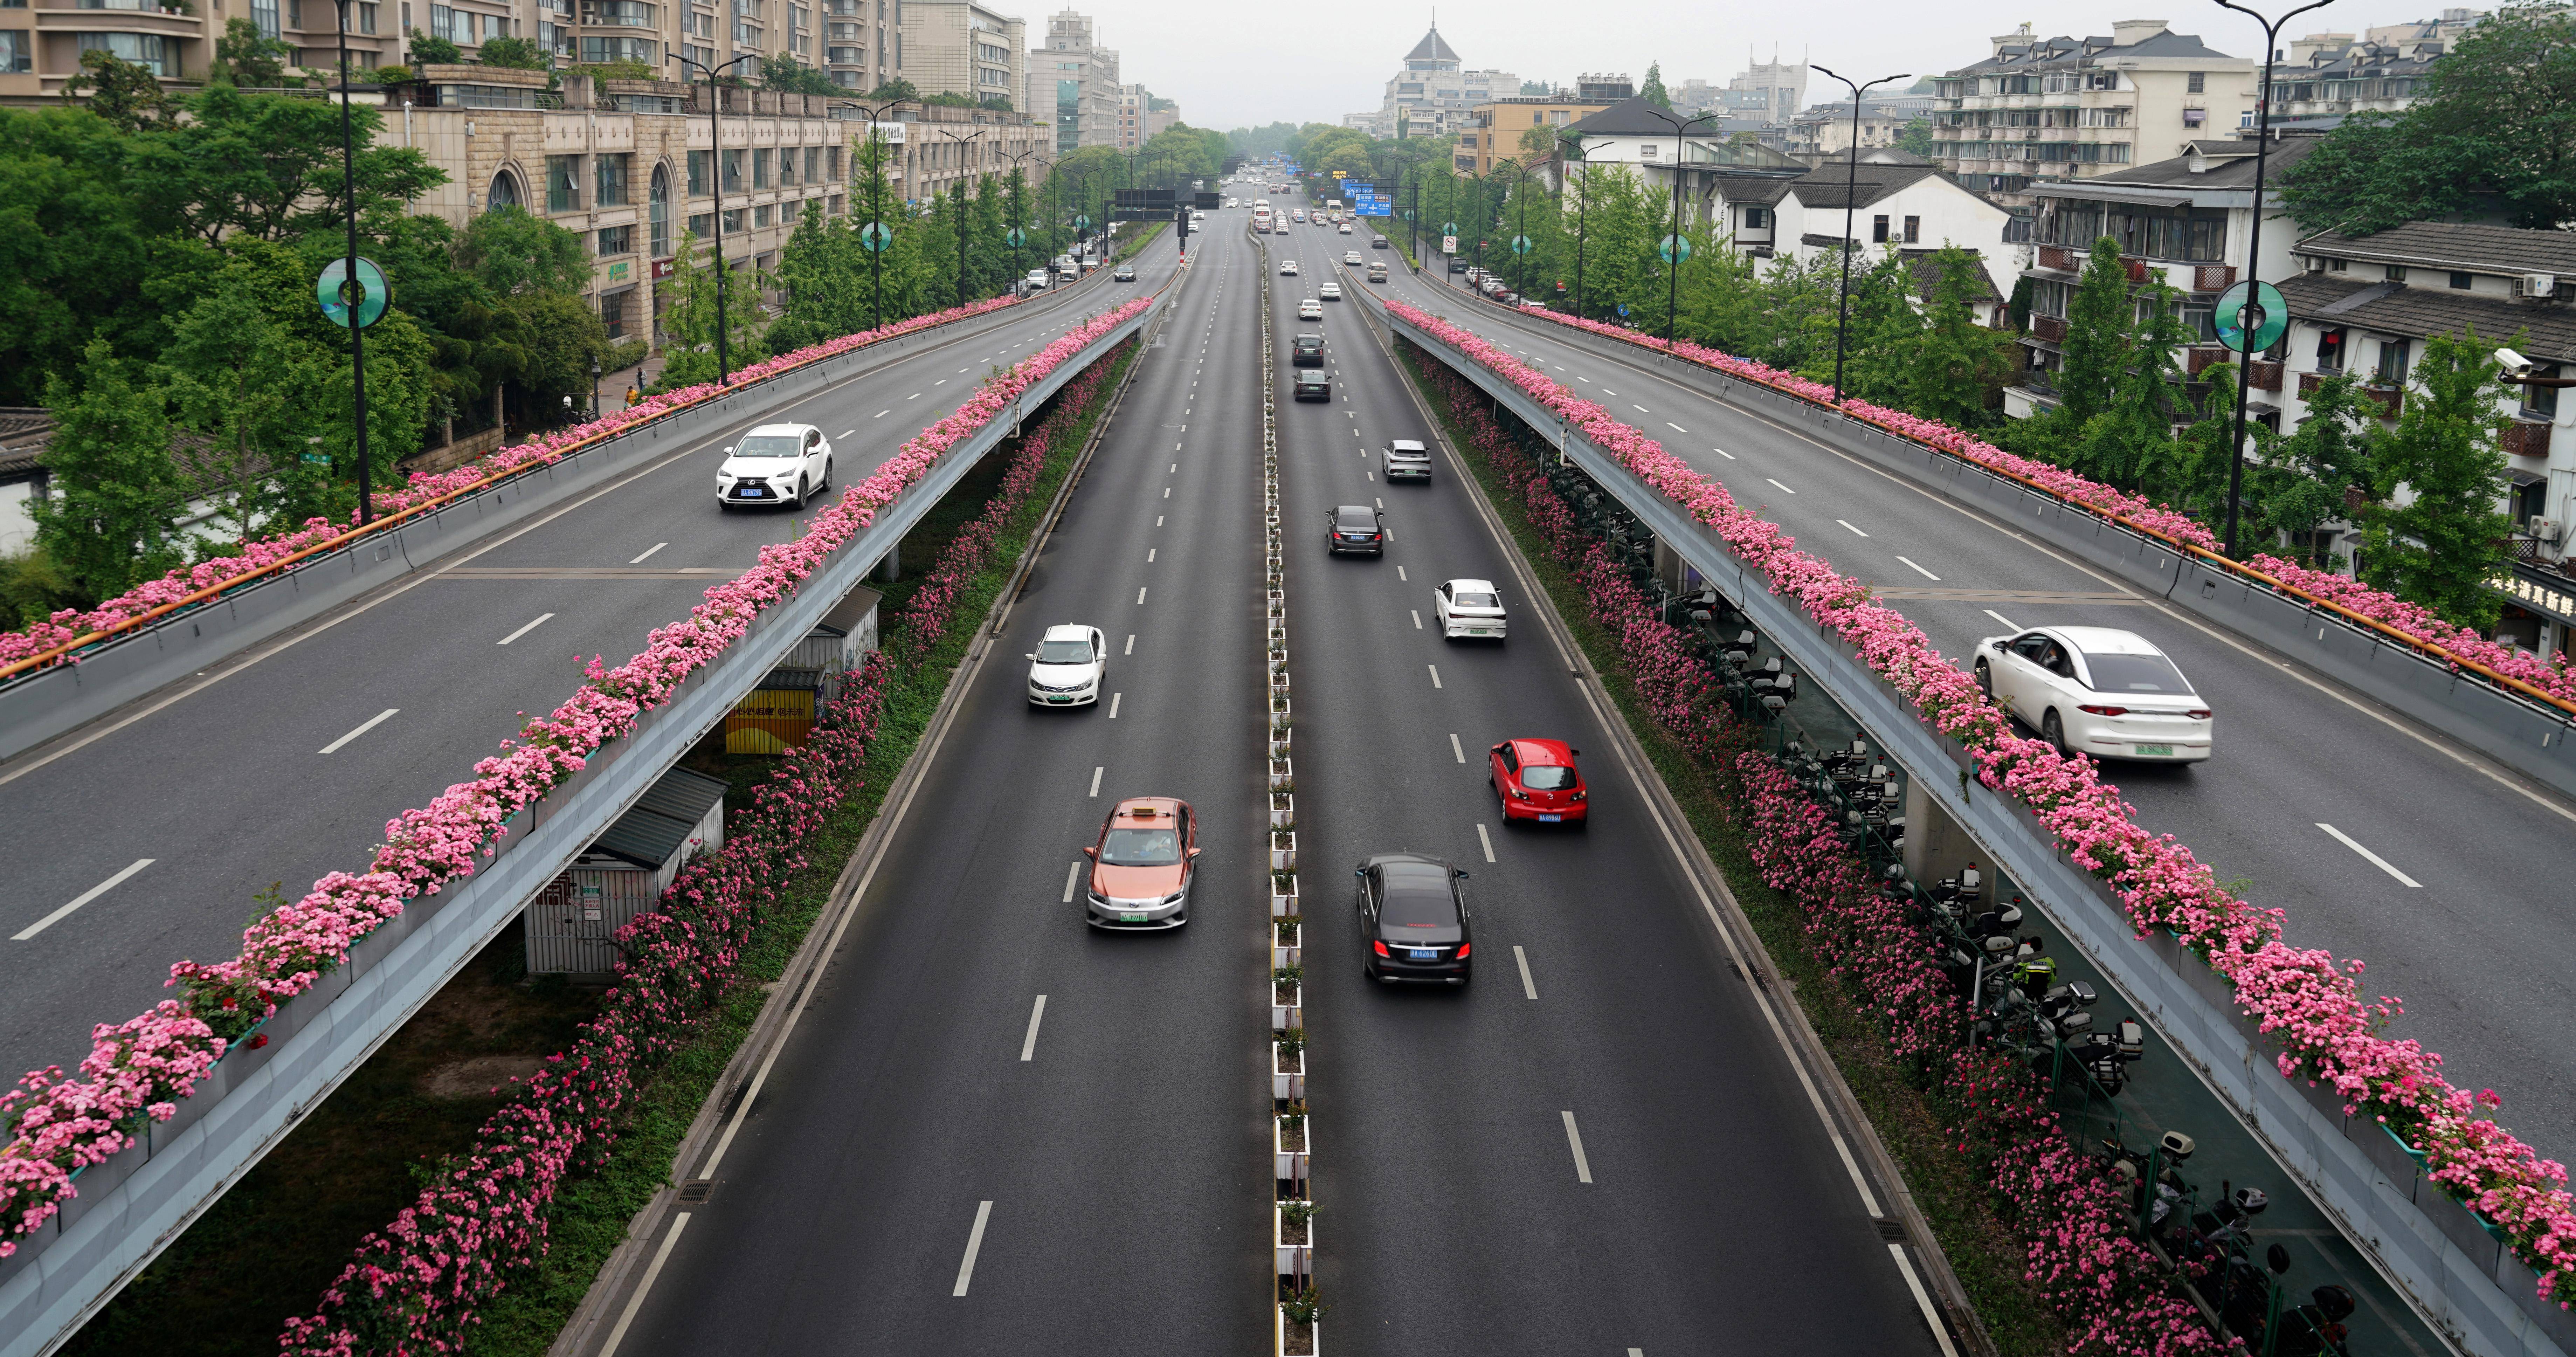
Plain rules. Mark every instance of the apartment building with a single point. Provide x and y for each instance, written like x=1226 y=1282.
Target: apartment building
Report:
x=1827 y=129
x=1772 y=91
x=962 y=47
x=2187 y=221
x=1073 y=82
x=2064 y=109
x=1432 y=94
x=1494 y=131
x=941 y=146
x=1885 y=202
x=2335 y=75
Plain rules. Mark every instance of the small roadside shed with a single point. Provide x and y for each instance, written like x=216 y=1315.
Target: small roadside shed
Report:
x=622 y=874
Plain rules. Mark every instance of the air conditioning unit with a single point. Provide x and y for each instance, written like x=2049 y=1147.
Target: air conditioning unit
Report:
x=2538 y=286
x=2546 y=529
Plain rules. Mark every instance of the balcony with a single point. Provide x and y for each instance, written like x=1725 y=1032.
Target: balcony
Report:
x=2212 y=277
x=2057 y=257
x=2137 y=269
x=2527 y=438
x=2200 y=358
x=2050 y=328
x=2309 y=381
x=2392 y=399
x=2266 y=376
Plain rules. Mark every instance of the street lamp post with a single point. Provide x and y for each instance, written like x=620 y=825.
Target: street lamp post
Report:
x=1851 y=193
x=1582 y=200
x=959 y=190
x=875 y=236
x=2254 y=251
x=1673 y=266
x=1019 y=218
x=715 y=172
x=594 y=386
x=356 y=286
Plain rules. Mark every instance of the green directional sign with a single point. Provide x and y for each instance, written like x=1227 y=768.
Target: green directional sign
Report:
x=1668 y=244
x=339 y=301
x=2251 y=317
x=875 y=237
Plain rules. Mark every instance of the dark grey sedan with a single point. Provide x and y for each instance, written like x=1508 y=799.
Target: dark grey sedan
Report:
x=1413 y=920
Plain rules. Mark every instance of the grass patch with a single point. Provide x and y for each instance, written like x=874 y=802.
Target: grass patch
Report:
x=265 y=1251
x=1982 y=1247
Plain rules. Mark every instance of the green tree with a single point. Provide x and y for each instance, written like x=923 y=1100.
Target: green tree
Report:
x=897 y=88
x=1915 y=138
x=514 y=54
x=246 y=58
x=511 y=252
x=781 y=72
x=2128 y=442
x=429 y=51
x=1955 y=365
x=268 y=165
x=2096 y=349
x=76 y=247
x=1653 y=91
x=2443 y=542
x=2494 y=132
x=110 y=516
x=823 y=271
x=690 y=357
x=2300 y=482
x=126 y=95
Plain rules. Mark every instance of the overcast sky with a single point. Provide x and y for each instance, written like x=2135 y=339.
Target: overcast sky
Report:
x=1234 y=64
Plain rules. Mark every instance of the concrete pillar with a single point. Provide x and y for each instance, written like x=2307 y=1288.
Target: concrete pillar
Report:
x=1935 y=845
x=891 y=568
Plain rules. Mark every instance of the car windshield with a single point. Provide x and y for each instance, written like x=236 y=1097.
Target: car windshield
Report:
x=1546 y=777
x=1418 y=904
x=767 y=445
x=1141 y=848
x=1064 y=652
x=1468 y=600
x=2136 y=674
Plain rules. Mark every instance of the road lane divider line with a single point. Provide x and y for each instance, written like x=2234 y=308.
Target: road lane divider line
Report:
x=974 y=1245
x=1456 y=748
x=1113 y=705
x=1140 y=594
x=1528 y=986
x=1095 y=780
x=2376 y=860
x=1918 y=569
x=1131 y=644
x=634 y=1303
x=1784 y=489
x=2009 y=624
x=83 y=898
x=363 y=727
x=1725 y=454
x=1072 y=879
x=1487 y=840
x=648 y=552
x=1856 y=532
x=1417 y=618
x=1574 y=1140
x=542 y=619
x=1435 y=674
x=1029 y=1044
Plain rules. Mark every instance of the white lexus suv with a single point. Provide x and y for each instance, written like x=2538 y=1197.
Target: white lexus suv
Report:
x=775 y=464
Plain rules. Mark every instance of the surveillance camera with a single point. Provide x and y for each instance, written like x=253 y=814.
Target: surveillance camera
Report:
x=2515 y=365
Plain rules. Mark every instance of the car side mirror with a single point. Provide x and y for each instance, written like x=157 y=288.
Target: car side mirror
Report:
x=1196 y=851
x=728 y=449
x=1359 y=871
x=1031 y=655
x=1574 y=751
x=1999 y=647
x=1090 y=852
x=1461 y=874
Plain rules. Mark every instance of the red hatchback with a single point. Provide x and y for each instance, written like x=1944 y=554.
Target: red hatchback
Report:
x=1537 y=780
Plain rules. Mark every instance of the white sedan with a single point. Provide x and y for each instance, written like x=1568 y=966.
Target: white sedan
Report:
x=1067 y=667
x=2097 y=691
x=775 y=464
x=1310 y=309
x=1350 y=256
x=1287 y=268
x=1331 y=292
x=1468 y=608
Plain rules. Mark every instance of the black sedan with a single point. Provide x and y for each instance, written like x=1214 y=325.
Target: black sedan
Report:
x=1413 y=918
x=1355 y=528
x=1314 y=386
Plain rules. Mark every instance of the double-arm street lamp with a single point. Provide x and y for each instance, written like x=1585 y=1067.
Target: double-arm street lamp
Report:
x=1680 y=248
x=1582 y=197
x=958 y=190
x=1019 y=220
x=1851 y=195
x=715 y=172
x=355 y=285
x=874 y=235
x=2253 y=306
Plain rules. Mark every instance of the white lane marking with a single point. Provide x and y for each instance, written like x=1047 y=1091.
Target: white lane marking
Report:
x=974 y=1245
x=1417 y=618
x=1095 y=779
x=2009 y=624
x=1847 y=523
x=1140 y=594
x=1131 y=644
x=914 y=396
x=369 y=724
x=1487 y=840
x=1158 y=520
x=1399 y=572
x=1149 y=554
x=1920 y=570
x=1176 y=466
x=1528 y=986
x=941 y=382
x=1639 y=408
x=1029 y=1047
x=1167 y=492
x=542 y=619
x=1574 y=1138
x=1725 y=454
x=1435 y=674
x=849 y=433
x=2375 y=860
x=881 y=414
x=1783 y=487
x=1581 y=378
x=655 y=547
x=1370 y=475
x=1113 y=705
x=83 y=898
x=645 y=1287
x=1072 y=878
x=1381 y=504
x=1456 y=748
x=1922 y=1300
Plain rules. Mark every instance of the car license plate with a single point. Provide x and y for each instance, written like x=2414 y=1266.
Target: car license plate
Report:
x=753 y=494
x=1131 y=918
x=1426 y=953
x=1550 y=819
x=1059 y=699
x=2155 y=751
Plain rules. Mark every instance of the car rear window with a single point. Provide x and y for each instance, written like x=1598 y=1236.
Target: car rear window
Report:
x=1409 y=905
x=1310 y=341
x=1544 y=777
x=2136 y=674
x=1355 y=518
x=1467 y=600
x=1141 y=848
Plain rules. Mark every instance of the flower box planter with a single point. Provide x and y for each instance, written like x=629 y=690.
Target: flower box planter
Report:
x=1285 y=1011
x=1298 y=1340
x=1293 y=1247
x=1292 y=1156
x=1282 y=819
x=1286 y=954
x=1280 y=777
x=1287 y=1075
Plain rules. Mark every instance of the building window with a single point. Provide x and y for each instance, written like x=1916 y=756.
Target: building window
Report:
x=733 y=220
x=2392 y=362
x=760 y=167
x=616 y=240
x=563 y=183
x=787 y=168
x=733 y=171
x=599 y=51
x=813 y=164
x=1757 y=219
x=702 y=225
x=697 y=174
x=17 y=54
x=146 y=50
x=608 y=180
x=505 y=193
x=1878 y=230
x=2199 y=83
x=1913 y=230
x=2460 y=281
x=2337 y=265
x=2397 y=273
x=366 y=18
x=660 y=211
x=762 y=215
x=612 y=314
x=2330 y=350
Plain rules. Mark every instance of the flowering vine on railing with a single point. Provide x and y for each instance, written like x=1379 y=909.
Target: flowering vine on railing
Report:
x=140 y=1068
x=2305 y=1000
x=2548 y=673
x=253 y=557
x=418 y=1285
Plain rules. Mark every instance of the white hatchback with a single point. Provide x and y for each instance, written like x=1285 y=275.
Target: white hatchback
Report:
x=1407 y=457
x=2097 y=691
x=775 y=464
x=1067 y=667
x=1468 y=608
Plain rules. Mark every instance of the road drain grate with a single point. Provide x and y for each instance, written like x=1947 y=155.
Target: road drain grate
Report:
x=1893 y=1231
x=694 y=1192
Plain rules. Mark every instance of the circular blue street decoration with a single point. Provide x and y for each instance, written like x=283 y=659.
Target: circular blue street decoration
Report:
x=1521 y=245
x=2251 y=317
x=874 y=237
x=1668 y=244
x=332 y=291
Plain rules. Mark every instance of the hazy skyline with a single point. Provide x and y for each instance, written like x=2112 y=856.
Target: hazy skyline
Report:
x=1231 y=68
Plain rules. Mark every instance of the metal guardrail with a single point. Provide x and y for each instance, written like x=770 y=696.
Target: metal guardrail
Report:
x=136 y=1202
x=2518 y=725
x=2429 y=1248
